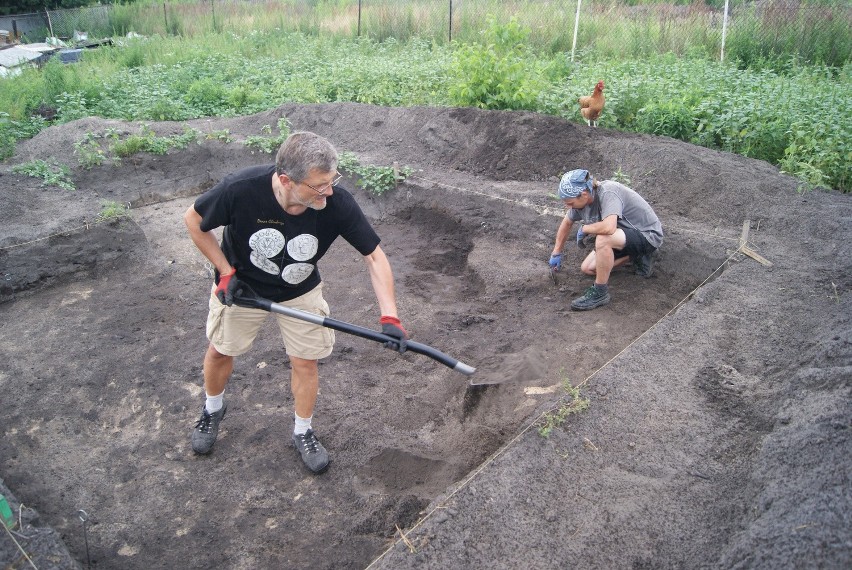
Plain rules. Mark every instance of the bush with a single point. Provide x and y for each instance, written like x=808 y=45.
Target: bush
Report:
x=666 y=118
x=496 y=74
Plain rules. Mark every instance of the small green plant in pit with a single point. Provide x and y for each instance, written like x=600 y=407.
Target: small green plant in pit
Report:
x=270 y=144
x=621 y=176
x=222 y=135
x=147 y=141
x=571 y=403
x=90 y=152
x=112 y=211
x=51 y=175
x=374 y=179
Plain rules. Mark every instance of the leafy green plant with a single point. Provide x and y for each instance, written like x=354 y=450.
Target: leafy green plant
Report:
x=348 y=161
x=70 y=106
x=12 y=131
x=270 y=144
x=89 y=152
x=495 y=74
x=622 y=177
x=112 y=211
x=50 y=174
x=147 y=141
x=571 y=403
x=374 y=179
x=207 y=95
x=223 y=135
x=666 y=118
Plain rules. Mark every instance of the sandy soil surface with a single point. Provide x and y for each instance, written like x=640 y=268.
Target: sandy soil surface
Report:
x=718 y=427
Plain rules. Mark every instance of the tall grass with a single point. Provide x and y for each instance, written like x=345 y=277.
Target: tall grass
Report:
x=774 y=34
x=771 y=31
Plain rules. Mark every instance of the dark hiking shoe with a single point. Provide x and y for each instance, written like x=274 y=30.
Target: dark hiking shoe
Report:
x=313 y=453
x=206 y=430
x=644 y=265
x=592 y=298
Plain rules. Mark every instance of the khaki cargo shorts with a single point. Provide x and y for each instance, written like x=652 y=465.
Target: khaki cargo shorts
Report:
x=232 y=330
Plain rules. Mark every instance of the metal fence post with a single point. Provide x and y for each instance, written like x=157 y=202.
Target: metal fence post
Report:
x=359 y=18
x=576 y=27
x=724 y=32
x=451 y=21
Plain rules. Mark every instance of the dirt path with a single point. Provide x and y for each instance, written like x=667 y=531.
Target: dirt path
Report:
x=719 y=437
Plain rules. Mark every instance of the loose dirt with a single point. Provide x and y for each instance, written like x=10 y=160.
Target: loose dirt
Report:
x=718 y=427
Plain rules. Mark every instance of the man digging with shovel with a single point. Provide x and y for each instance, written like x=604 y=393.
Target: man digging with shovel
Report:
x=279 y=220
x=619 y=222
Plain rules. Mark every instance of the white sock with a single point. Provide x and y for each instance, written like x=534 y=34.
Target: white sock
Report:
x=214 y=403
x=302 y=424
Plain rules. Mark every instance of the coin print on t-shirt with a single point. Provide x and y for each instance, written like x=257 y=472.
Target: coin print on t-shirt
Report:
x=268 y=243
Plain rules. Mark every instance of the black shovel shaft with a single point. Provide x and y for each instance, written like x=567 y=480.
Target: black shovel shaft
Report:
x=364 y=332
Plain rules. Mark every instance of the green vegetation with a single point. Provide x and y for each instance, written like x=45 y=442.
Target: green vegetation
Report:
x=374 y=179
x=270 y=144
x=499 y=73
x=570 y=403
x=147 y=141
x=50 y=174
x=817 y=31
x=763 y=103
x=89 y=151
x=112 y=211
x=95 y=149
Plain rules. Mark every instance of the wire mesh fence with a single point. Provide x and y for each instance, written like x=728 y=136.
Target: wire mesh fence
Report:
x=814 y=32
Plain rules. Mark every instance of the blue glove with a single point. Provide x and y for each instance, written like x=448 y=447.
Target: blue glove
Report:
x=555 y=262
x=583 y=239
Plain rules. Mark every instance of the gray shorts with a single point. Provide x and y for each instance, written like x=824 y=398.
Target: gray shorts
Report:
x=232 y=330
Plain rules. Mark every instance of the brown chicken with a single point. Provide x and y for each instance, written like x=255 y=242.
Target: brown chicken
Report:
x=592 y=105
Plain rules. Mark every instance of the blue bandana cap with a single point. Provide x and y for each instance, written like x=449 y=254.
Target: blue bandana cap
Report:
x=575 y=182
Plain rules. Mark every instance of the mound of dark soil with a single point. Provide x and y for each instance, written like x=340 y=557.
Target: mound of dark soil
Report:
x=717 y=432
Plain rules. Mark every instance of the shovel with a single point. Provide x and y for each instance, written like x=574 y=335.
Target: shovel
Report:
x=246 y=297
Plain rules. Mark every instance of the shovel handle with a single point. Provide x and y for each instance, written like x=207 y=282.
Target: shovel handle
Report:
x=363 y=332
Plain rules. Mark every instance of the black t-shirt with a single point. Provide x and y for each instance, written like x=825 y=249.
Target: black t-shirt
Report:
x=276 y=253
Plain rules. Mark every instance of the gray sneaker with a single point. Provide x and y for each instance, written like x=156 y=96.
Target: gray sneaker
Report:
x=206 y=430
x=591 y=299
x=313 y=453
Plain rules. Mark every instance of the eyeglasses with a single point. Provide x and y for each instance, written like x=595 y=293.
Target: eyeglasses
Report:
x=325 y=187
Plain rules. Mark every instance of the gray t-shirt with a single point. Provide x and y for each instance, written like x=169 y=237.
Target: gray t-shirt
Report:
x=633 y=211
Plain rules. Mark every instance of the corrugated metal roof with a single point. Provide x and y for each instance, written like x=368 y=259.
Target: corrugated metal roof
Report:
x=16 y=55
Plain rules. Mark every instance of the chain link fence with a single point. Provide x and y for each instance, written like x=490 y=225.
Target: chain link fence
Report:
x=748 y=31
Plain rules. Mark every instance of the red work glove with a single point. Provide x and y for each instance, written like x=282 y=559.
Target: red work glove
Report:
x=227 y=285
x=392 y=327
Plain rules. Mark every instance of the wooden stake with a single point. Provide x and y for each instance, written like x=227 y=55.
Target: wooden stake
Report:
x=405 y=540
x=755 y=256
x=745 y=249
x=744 y=235
x=49 y=23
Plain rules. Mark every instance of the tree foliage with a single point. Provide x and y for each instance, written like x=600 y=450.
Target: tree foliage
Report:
x=32 y=6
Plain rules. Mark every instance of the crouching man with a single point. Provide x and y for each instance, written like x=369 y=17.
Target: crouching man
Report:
x=619 y=222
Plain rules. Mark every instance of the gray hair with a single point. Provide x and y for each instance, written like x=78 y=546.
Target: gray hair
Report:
x=303 y=152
